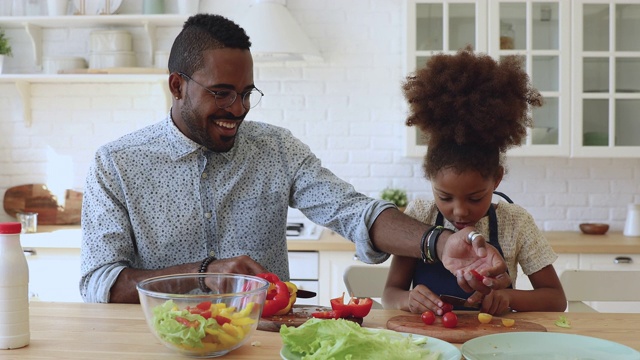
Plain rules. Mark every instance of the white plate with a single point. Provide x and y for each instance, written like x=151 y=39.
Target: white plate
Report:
x=545 y=345
x=448 y=351
x=94 y=7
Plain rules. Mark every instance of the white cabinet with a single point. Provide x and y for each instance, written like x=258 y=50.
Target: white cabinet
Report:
x=582 y=55
x=54 y=274
x=304 y=272
x=606 y=78
x=562 y=263
x=612 y=262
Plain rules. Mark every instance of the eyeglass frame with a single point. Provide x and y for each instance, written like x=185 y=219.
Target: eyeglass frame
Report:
x=215 y=93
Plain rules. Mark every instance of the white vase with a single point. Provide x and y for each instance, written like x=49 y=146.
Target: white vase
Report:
x=1 y=62
x=57 y=7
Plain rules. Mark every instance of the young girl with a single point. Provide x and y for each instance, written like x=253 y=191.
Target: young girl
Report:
x=471 y=109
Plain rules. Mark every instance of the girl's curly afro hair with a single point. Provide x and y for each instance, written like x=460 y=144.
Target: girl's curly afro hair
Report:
x=471 y=109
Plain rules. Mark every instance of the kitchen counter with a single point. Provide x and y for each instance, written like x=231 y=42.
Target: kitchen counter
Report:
x=570 y=242
x=119 y=331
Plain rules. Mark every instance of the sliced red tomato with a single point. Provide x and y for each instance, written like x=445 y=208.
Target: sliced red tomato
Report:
x=187 y=323
x=450 y=320
x=477 y=275
x=446 y=308
x=222 y=320
x=333 y=314
x=205 y=305
x=428 y=317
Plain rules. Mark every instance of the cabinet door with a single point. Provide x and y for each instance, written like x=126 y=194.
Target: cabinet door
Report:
x=562 y=263
x=332 y=267
x=612 y=262
x=440 y=27
x=606 y=78
x=538 y=31
x=54 y=274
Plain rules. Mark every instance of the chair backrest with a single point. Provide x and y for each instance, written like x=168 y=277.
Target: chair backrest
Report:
x=366 y=281
x=599 y=285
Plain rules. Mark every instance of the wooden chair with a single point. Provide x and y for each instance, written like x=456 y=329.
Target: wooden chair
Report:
x=599 y=285
x=366 y=281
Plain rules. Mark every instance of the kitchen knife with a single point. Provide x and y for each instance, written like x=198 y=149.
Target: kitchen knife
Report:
x=458 y=301
x=305 y=294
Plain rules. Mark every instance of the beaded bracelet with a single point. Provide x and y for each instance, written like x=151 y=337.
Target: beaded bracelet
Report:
x=431 y=243
x=424 y=248
x=203 y=269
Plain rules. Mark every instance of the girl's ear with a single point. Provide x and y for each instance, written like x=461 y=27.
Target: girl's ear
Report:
x=498 y=178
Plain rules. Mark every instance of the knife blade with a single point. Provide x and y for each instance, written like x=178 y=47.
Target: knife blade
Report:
x=305 y=294
x=458 y=301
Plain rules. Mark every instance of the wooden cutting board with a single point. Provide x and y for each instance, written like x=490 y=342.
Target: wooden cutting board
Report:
x=298 y=315
x=468 y=327
x=38 y=198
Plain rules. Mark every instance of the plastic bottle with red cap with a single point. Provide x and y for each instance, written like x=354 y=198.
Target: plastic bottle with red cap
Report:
x=14 y=289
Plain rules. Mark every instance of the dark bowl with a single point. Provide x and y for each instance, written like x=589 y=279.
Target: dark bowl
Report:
x=594 y=228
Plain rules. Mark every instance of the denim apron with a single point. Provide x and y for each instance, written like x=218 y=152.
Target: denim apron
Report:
x=440 y=280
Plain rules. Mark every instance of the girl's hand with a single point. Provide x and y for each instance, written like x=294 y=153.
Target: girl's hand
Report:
x=422 y=299
x=496 y=303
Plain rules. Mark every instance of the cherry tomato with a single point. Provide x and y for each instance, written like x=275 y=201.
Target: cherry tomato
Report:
x=446 y=307
x=477 y=275
x=428 y=317
x=484 y=318
x=450 y=320
x=508 y=322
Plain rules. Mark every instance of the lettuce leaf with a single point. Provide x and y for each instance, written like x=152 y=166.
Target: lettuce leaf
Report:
x=174 y=332
x=344 y=339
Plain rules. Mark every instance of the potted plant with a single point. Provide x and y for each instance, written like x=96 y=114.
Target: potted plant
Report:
x=5 y=48
x=396 y=196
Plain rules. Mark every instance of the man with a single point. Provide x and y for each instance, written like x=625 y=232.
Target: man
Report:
x=204 y=191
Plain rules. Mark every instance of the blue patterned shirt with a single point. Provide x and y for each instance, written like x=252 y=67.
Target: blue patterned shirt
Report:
x=155 y=199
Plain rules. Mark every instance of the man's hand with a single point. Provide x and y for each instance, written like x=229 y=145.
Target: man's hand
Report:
x=460 y=256
x=242 y=264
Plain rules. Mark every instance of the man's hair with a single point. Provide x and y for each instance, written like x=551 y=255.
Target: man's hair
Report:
x=471 y=109
x=204 y=32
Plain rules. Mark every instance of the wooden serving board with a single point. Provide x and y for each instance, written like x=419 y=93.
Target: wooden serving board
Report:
x=298 y=315
x=38 y=198
x=468 y=327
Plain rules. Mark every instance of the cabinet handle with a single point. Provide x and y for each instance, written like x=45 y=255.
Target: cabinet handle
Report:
x=622 y=260
x=29 y=252
x=355 y=257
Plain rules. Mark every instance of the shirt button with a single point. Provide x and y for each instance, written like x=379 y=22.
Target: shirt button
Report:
x=204 y=175
x=212 y=253
x=207 y=215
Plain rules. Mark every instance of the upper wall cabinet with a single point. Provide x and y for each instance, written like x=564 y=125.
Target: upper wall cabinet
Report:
x=606 y=78
x=582 y=55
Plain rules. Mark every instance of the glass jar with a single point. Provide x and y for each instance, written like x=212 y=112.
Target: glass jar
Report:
x=507 y=36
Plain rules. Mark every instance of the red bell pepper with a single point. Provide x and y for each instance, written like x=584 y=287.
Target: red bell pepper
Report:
x=333 y=314
x=356 y=307
x=277 y=299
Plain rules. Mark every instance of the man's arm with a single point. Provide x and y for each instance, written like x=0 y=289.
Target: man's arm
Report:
x=395 y=233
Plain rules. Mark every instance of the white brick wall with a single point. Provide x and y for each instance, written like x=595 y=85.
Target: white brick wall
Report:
x=348 y=109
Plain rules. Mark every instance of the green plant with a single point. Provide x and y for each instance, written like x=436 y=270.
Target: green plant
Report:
x=396 y=196
x=5 y=47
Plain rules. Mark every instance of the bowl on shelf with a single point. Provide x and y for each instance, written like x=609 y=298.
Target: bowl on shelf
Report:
x=203 y=323
x=594 y=228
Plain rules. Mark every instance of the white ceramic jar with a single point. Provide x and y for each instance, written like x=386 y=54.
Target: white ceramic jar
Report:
x=632 y=225
x=110 y=40
x=58 y=64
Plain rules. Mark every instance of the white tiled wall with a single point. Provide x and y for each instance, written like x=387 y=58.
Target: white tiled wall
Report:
x=349 y=109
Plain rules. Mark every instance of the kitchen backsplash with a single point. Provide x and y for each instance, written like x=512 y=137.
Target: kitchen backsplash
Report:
x=348 y=109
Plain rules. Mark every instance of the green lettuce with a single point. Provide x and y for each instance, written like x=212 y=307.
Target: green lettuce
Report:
x=344 y=339
x=170 y=330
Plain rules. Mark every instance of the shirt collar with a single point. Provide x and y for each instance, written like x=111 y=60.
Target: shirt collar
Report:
x=182 y=146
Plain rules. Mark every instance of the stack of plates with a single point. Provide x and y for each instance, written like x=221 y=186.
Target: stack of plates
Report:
x=111 y=48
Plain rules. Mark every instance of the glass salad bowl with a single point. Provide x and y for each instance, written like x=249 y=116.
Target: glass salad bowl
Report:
x=201 y=323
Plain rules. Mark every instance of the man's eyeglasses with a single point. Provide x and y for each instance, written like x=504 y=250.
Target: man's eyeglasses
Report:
x=226 y=98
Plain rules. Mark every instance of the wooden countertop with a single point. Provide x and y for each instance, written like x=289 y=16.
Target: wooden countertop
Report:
x=568 y=242
x=119 y=331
